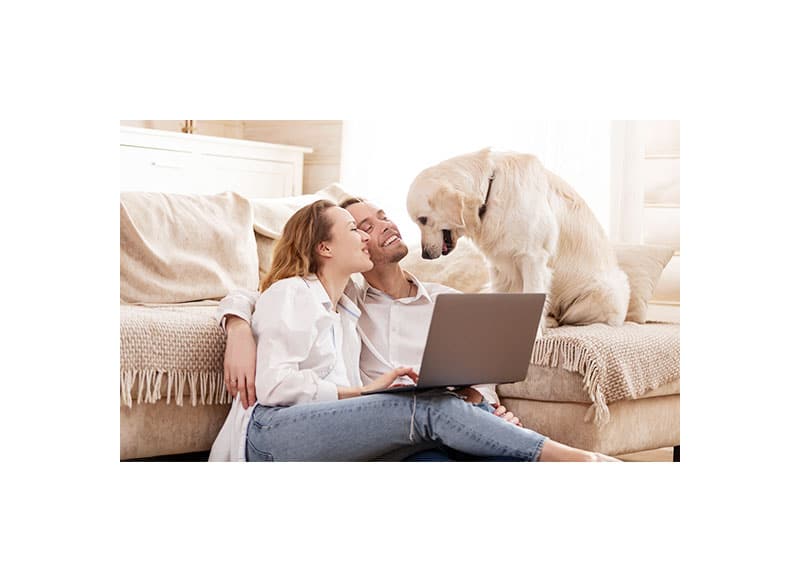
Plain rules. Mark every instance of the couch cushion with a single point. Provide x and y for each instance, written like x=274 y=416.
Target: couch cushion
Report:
x=176 y=248
x=638 y=425
x=615 y=363
x=559 y=385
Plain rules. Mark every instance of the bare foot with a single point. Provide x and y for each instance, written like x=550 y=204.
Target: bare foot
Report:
x=555 y=451
x=600 y=457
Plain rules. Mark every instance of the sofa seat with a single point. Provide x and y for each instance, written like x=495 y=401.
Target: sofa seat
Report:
x=172 y=396
x=584 y=390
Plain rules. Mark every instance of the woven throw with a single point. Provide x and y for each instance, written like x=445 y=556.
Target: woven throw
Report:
x=617 y=363
x=172 y=352
x=175 y=351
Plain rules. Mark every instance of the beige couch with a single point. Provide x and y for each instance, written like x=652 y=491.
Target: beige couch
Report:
x=598 y=388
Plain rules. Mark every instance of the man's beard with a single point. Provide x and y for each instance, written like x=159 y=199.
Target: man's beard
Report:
x=398 y=255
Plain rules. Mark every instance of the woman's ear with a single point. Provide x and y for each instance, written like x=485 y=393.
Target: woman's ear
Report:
x=324 y=249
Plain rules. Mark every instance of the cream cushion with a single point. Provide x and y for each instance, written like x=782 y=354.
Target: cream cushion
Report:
x=643 y=264
x=178 y=248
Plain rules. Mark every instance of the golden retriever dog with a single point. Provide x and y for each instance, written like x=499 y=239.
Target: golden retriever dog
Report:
x=537 y=233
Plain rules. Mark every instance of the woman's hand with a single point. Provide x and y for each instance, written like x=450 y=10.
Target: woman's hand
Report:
x=389 y=378
x=240 y=361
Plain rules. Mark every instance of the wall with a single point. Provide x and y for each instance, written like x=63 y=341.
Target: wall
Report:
x=232 y=129
x=323 y=166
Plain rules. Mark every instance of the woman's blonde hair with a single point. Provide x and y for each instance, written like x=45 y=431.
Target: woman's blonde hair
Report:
x=295 y=253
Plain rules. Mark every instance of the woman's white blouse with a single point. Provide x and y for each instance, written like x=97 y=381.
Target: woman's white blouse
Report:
x=304 y=351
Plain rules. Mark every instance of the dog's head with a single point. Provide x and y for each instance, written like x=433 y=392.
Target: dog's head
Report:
x=444 y=201
x=437 y=207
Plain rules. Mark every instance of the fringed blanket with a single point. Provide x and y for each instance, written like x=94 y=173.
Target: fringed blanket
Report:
x=617 y=363
x=173 y=352
x=177 y=351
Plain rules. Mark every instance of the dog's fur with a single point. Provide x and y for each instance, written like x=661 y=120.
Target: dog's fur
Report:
x=537 y=233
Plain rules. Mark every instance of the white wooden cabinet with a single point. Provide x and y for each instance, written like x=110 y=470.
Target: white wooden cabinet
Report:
x=165 y=161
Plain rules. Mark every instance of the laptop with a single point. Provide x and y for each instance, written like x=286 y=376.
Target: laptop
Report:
x=477 y=338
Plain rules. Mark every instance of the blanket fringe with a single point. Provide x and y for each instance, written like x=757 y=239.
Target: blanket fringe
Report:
x=206 y=386
x=552 y=353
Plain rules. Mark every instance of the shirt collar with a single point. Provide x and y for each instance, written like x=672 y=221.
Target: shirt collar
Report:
x=422 y=292
x=321 y=295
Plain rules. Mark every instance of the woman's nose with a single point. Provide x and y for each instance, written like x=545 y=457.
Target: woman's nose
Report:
x=364 y=236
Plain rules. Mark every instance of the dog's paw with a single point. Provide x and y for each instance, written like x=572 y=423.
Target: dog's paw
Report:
x=550 y=321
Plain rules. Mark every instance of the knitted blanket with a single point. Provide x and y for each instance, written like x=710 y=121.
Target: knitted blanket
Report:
x=175 y=351
x=617 y=363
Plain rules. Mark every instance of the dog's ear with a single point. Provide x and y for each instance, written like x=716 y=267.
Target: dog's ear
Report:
x=450 y=203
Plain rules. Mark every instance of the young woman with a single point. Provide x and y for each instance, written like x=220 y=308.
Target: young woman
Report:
x=309 y=404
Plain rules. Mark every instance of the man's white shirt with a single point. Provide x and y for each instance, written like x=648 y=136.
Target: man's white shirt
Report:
x=393 y=331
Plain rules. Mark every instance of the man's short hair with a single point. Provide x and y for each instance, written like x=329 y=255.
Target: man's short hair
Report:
x=351 y=201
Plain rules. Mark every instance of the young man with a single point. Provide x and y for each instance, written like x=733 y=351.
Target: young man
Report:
x=396 y=310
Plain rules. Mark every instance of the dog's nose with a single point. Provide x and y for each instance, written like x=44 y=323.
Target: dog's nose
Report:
x=425 y=254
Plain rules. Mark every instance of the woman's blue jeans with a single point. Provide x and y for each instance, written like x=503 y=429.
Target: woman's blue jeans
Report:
x=384 y=427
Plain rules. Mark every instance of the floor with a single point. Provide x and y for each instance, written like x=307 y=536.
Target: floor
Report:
x=658 y=455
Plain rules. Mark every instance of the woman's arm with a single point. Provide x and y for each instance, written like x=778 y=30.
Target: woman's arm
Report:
x=286 y=323
x=239 y=303
x=240 y=361
x=234 y=314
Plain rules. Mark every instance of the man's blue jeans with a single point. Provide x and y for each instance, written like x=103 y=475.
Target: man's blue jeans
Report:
x=384 y=427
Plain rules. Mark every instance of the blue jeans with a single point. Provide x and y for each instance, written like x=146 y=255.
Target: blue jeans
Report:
x=446 y=454
x=384 y=427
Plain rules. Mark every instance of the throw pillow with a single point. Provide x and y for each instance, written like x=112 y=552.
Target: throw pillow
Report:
x=643 y=264
x=177 y=248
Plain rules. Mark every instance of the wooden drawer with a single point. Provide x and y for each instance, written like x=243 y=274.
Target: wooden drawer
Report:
x=251 y=178
x=170 y=162
x=154 y=170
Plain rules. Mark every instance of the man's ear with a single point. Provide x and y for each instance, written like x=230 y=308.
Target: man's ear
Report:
x=324 y=250
x=451 y=205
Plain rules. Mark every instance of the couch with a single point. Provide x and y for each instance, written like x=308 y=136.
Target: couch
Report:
x=614 y=390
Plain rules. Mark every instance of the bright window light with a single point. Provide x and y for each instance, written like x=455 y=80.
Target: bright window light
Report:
x=381 y=158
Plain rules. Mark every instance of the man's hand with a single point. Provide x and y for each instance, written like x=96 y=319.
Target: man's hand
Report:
x=470 y=395
x=500 y=410
x=240 y=361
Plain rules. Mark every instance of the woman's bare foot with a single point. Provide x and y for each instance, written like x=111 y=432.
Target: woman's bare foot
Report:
x=555 y=451
x=600 y=457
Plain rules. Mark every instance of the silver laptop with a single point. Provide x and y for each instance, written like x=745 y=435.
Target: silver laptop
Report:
x=477 y=338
